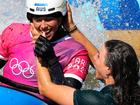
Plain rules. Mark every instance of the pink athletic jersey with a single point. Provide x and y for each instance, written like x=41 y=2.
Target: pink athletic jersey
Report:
x=17 y=48
x=73 y=58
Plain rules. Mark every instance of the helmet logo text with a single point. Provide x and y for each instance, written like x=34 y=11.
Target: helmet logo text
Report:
x=40 y=4
x=40 y=9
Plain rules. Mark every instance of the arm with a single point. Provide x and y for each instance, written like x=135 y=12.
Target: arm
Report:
x=76 y=71
x=61 y=94
x=44 y=51
x=78 y=36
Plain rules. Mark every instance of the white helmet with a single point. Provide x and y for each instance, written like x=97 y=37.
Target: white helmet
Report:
x=46 y=7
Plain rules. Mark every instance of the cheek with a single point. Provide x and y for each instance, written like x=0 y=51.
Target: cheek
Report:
x=100 y=68
x=96 y=61
x=54 y=23
x=97 y=74
x=36 y=25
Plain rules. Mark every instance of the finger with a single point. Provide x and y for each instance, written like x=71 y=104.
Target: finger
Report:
x=41 y=39
x=33 y=29
x=68 y=7
x=32 y=26
x=43 y=34
x=39 y=44
x=34 y=32
x=37 y=52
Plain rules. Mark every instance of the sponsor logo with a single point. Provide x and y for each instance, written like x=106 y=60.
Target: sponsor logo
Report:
x=40 y=9
x=78 y=64
x=40 y=4
x=21 y=68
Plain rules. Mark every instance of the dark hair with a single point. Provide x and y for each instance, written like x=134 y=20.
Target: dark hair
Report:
x=56 y=14
x=123 y=61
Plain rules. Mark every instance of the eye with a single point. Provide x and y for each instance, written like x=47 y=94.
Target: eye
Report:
x=98 y=55
x=38 y=19
x=49 y=18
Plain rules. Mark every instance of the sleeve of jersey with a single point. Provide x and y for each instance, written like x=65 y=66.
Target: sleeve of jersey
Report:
x=4 y=42
x=78 y=66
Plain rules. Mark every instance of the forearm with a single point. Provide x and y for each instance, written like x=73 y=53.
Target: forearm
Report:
x=59 y=93
x=78 y=36
x=63 y=95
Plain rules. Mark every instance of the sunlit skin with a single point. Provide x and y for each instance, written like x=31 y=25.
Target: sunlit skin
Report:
x=102 y=71
x=44 y=25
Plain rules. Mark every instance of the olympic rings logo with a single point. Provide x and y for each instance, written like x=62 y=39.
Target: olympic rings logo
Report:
x=14 y=64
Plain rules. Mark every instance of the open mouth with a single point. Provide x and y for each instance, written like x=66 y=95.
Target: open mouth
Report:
x=46 y=33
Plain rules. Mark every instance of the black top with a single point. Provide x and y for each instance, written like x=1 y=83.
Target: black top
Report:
x=93 y=97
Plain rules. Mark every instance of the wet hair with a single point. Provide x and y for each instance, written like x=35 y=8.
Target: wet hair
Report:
x=123 y=61
x=30 y=16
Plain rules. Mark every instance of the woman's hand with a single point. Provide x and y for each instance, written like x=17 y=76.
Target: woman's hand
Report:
x=46 y=55
x=35 y=33
x=68 y=23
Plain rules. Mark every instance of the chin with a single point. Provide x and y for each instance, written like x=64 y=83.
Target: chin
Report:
x=102 y=80
x=49 y=38
x=99 y=78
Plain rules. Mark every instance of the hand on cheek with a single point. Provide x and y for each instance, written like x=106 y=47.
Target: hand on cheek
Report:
x=35 y=33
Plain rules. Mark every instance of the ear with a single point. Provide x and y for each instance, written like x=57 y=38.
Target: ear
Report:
x=108 y=72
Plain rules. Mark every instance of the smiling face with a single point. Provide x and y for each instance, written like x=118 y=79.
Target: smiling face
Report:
x=102 y=71
x=47 y=25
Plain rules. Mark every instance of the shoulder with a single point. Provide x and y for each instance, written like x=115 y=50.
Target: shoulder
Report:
x=14 y=29
x=88 y=97
x=69 y=41
x=12 y=34
x=92 y=97
x=74 y=42
x=136 y=94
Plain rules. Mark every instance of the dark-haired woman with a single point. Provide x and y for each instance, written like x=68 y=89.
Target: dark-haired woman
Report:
x=116 y=65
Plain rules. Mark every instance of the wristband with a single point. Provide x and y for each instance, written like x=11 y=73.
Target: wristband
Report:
x=73 y=28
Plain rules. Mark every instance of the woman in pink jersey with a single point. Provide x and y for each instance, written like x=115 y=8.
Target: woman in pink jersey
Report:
x=17 y=44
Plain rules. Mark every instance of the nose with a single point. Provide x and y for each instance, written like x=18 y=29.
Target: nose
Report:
x=43 y=25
